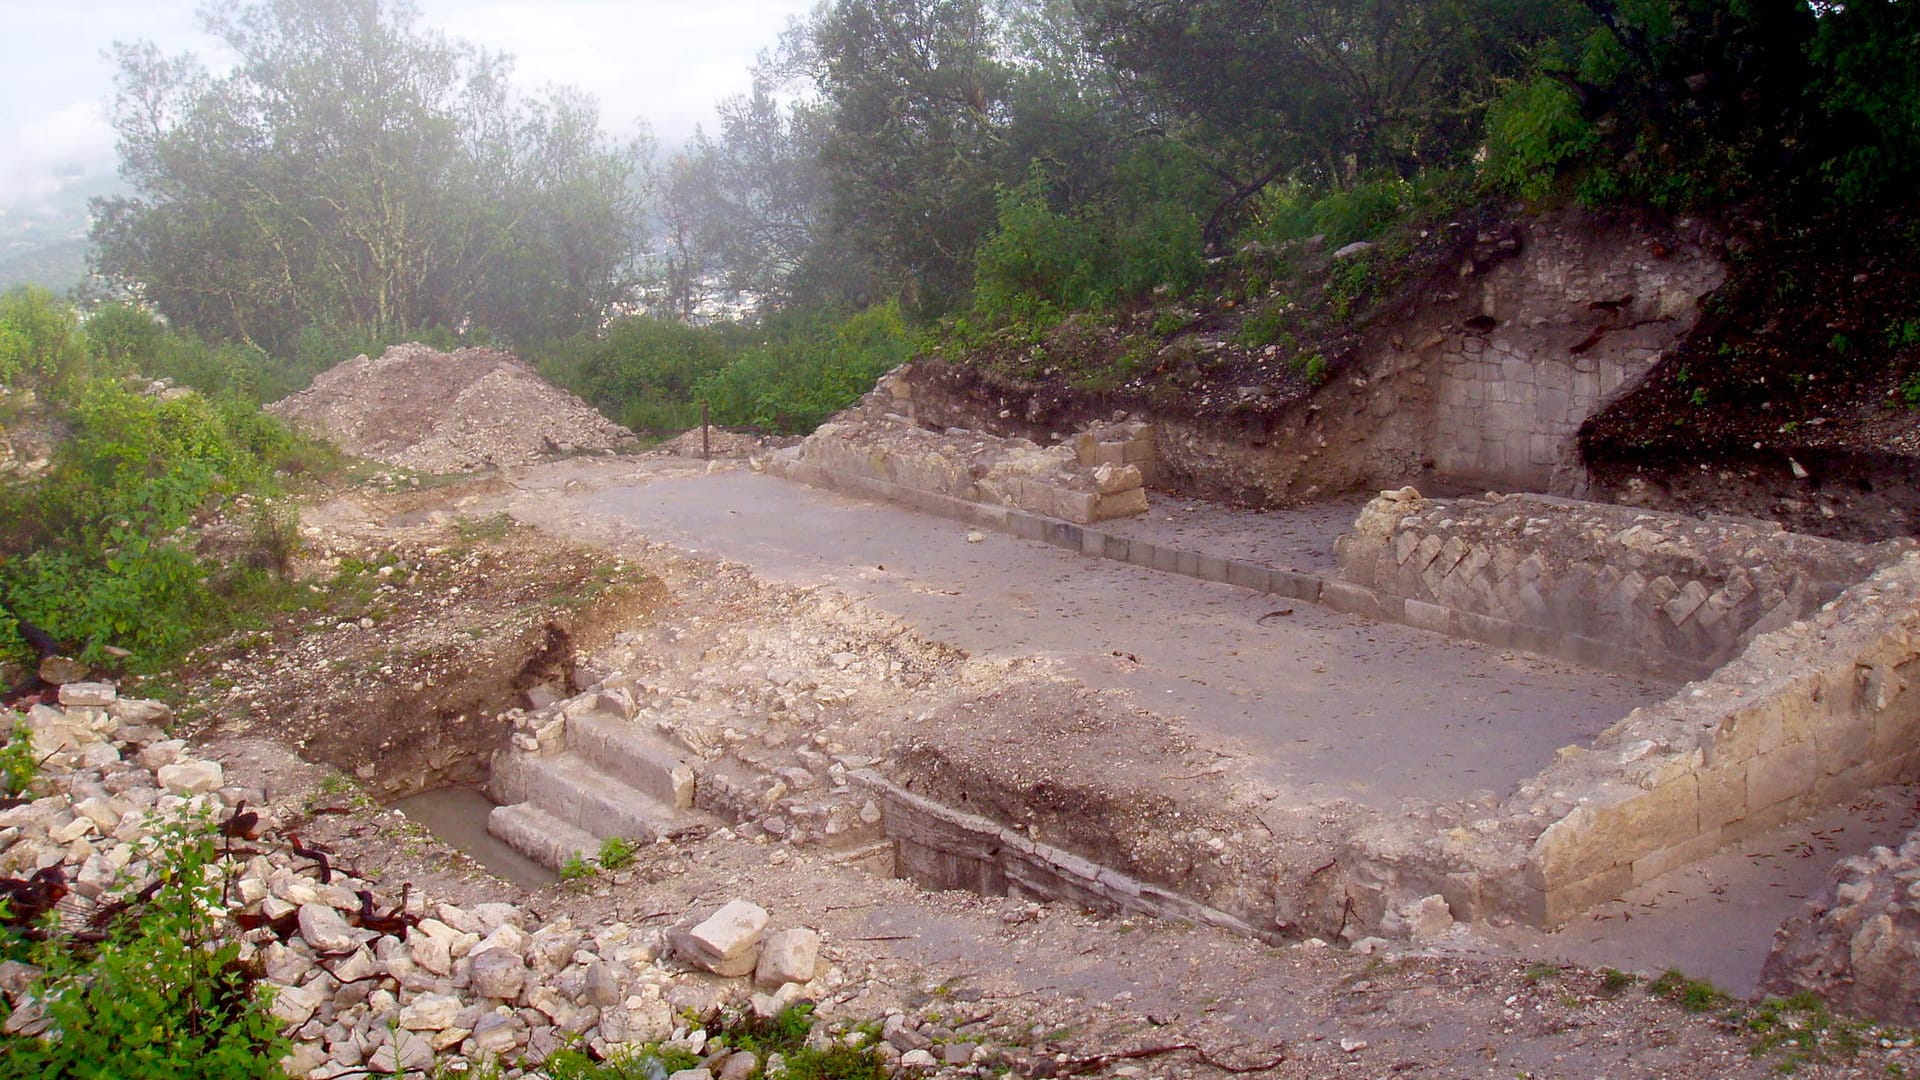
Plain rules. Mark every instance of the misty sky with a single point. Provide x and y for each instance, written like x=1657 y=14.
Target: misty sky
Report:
x=667 y=61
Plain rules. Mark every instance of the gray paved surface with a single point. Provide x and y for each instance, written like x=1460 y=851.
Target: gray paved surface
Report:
x=1330 y=705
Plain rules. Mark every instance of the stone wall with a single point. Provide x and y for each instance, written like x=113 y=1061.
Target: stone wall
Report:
x=1628 y=590
x=1097 y=476
x=1809 y=715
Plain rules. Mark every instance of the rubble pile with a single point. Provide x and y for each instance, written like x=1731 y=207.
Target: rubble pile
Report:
x=400 y=986
x=418 y=408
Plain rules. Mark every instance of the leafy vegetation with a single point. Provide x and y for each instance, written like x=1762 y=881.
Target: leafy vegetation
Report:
x=162 y=997
x=297 y=194
x=18 y=762
x=97 y=551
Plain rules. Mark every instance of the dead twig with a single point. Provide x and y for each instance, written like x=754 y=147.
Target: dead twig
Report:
x=1076 y=1066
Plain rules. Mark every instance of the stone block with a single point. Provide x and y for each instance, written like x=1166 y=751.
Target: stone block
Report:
x=1425 y=616
x=788 y=957
x=1784 y=773
x=1065 y=534
x=1564 y=901
x=1723 y=795
x=1166 y=560
x=1247 y=575
x=1685 y=602
x=1764 y=819
x=1295 y=585
x=1843 y=742
x=731 y=931
x=1743 y=734
x=1142 y=553
x=1121 y=504
x=1654 y=863
x=1211 y=568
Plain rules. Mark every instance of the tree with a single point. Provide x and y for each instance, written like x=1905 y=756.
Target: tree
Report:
x=1325 y=92
x=357 y=173
x=748 y=203
x=912 y=94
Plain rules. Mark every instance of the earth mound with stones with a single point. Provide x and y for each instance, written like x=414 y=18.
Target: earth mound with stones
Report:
x=419 y=408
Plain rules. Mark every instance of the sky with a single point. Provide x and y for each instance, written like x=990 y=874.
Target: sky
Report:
x=667 y=61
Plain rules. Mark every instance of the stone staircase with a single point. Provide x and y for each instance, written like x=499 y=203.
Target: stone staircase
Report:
x=564 y=787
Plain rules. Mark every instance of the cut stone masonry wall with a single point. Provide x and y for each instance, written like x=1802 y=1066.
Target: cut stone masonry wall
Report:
x=1646 y=593
x=1097 y=476
x=1809 y=715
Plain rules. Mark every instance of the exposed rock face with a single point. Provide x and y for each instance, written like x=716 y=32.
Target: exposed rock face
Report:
x=1857 y=944
x=418 y=408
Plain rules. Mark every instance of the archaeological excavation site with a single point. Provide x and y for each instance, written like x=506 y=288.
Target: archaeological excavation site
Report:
x=1329 y=733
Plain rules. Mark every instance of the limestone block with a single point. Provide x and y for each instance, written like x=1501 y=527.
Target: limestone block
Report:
x=1676 y=855
x=191 y=777
x=1783 y=773
x=732 y=930
x=1723 y=794
x=788 y=957
x=88 y=694
x=1564 y=901
x=1123 y=504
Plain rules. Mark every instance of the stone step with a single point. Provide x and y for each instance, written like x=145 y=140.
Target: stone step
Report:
x=633 y=755
x=569 y=789
x=540 y=836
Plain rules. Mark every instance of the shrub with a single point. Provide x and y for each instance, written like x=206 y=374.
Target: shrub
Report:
x=18 y=763
x=163 y=996
x=807 y=368
x=1038 y=263
x=40 y=343
x=99 y=548
x=1534 y=133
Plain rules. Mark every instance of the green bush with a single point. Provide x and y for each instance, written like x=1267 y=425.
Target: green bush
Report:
x=640 y=371
x=40 y=342
x=18 y=763
x=1038 y=263
x=97 y=551
x=163 y=997
x=808 y=367
x=1535 y=133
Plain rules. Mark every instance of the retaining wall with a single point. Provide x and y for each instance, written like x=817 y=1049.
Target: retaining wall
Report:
x=1807 y=716
x=1099 y=475
x=1628 y=590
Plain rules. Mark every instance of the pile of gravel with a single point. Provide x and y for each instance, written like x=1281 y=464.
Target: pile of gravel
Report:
x=419 y=408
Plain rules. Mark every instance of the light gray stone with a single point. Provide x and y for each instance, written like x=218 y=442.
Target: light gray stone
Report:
x=497 y=973
x=191 y=777
x=788 y=957
x=325 y=930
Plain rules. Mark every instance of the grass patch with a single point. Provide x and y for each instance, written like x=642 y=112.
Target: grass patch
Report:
x=1693 y=995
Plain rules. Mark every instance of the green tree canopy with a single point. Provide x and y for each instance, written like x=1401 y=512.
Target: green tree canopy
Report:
x=358 y=173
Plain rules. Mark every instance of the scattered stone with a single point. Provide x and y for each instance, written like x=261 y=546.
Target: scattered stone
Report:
x=325 y=930
x=191 y=777
x=788 y=957
x=87 y=694
x=60 y=670
x=497 y=973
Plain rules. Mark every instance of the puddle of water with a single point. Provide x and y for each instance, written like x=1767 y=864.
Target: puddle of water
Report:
x=459 y=816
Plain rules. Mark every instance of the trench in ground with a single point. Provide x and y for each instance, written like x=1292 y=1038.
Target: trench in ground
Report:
x=1329 y=705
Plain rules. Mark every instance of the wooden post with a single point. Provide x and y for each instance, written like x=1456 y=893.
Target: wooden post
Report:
x=706 y=447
